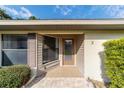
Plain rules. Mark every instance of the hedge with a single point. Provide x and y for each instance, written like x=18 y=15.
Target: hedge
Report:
x=114 y=62
x=14 y=76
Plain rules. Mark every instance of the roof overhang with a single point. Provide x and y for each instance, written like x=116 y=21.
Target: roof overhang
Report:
x=61 y=24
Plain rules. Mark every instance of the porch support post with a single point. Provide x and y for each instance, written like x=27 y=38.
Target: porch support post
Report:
x=31 y=58
x=40 y=51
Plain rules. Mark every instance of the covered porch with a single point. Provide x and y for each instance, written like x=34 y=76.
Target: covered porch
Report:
x=61 y=55
x=57 y=71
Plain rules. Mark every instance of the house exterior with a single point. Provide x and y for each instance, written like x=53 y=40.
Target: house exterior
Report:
x=46 y=43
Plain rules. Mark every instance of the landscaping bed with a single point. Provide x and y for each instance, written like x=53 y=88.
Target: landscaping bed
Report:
x=14 y=76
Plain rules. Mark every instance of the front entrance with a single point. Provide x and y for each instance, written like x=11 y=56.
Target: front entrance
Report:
x=68 y=51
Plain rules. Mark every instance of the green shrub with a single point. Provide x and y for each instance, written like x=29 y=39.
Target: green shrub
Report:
x=14 y=76
x=114 y=62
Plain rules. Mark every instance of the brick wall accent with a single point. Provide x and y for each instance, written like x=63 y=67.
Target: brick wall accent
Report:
x=31 y=50
x=39 y=51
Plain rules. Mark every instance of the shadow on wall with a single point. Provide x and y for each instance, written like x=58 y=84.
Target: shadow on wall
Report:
x=102 y=57
x=10 y=57
x=5 y=60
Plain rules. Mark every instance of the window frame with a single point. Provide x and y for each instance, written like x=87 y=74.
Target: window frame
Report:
x=56 y=50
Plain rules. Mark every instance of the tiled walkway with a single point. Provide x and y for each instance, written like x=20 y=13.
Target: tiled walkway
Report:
x=61 y=77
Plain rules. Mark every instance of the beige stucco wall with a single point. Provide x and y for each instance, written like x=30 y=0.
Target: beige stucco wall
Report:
x=80 y=53
x=93 y=52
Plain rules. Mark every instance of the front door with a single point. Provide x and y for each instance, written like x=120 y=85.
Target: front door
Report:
x=68 y=52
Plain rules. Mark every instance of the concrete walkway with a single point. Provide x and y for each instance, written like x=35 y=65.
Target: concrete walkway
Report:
x=62 y=82
x=67 y=77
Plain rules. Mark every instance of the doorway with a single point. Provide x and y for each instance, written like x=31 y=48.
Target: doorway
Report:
x=68 y=51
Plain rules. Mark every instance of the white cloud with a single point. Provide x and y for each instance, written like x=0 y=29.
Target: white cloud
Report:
x=22 y=13
x=108 y=11
x=115 y=11
x=111 y=11
x=64 y=10
x=25 y=12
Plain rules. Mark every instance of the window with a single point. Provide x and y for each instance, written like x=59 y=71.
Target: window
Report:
x=50 y=49
x=14 y=49
x=14 y=42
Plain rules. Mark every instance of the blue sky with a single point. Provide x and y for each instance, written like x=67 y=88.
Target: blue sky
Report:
x=65 y=12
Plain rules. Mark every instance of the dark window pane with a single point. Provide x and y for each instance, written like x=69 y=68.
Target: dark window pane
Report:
x=11 y=57
x=68 y=47
x=50 y=49
x=14 y=41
